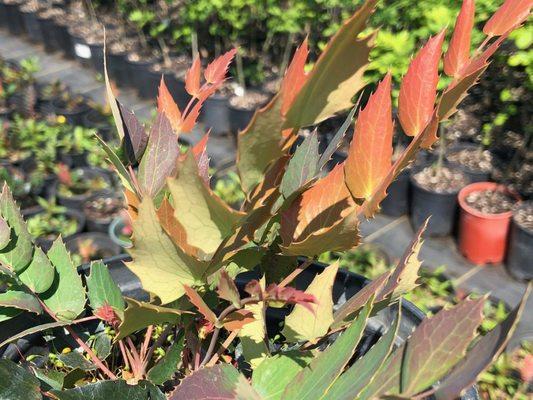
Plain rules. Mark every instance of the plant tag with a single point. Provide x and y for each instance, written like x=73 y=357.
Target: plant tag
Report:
x=82 y=50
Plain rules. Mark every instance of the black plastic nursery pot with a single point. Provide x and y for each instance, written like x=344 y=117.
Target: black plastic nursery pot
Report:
x=472 y=175
x=32 y=26
x=215 y=114
x=76 y=202
x=97 y=56
x=240 y=118
x=73 y=117
x=441 y=207
x=396 y=203
x=3 y=15
x=99 y=223
x=141 y=79
x=45 y=243
x=520 y=250
x=99 y=241
x=63 y=38
x=118 y=69
x=176 y=87
x=50 y=37
x=94 y=119
x=14 y=21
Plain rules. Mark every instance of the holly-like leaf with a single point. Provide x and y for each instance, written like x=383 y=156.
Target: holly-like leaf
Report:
x=259 y=144
x=481 y=355
x=76 y=360
x=192 y=78
x=295 y=76
x=121 y=170
x=316 y=379
x=162 y=267
x=197 y=300
x=135 y=137
x=16 y=383
x=102 y=290
x=458 y=53
x=111 y=100
x=39 y=275
x=227 y=289
x=18 y=253
x=305 y=325
x=361 y=373
x=337 y=75
x=206 y=219
x=66 y=296
x=116 y=389
x=336 y=141
x=418 y=90
x=370 y=155
x=159 y=159
x=510 y=15
x=303 y=166
x=216 y=71
x=167 y=366
x=20 y=300
x=5 y=233
x=221 y=381
x=166 y=105
x=273 y=375
x=322 y=218
x=138 y=315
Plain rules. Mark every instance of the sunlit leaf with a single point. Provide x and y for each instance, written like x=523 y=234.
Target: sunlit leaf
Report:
x=511 y=14
x=458 y=52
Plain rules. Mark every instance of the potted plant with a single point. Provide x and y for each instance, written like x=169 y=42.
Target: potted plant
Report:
x=101 y=209
x=76 y=186
x=520 y=252
x=120 y=231
x=72 y=107
x=76 y=144
x=22 y=80
x=474 y=160
x=486 y=211
x=29 y=13
x=91 y=246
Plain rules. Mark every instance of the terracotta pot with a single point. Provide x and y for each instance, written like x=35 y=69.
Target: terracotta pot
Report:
x=483 y=237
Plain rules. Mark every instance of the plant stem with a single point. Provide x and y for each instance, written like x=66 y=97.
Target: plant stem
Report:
x=159 y=341
x=223 y=347
x=240 y=69
x=299 y=269
x=442 y=151
x=147 y=337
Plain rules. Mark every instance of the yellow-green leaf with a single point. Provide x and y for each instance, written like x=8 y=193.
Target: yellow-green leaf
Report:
x=39 y=275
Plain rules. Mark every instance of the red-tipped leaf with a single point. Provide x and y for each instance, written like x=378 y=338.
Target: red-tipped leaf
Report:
x=458 y=52
x=167 y=106
x=192 y=78
x=216 y=71
x=511 y=14
x=370 y=154
x=418 y=90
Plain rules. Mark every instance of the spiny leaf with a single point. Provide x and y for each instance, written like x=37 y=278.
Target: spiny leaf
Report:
x=259 y=144
x=221 y=381
x=303 y=166
x=161 y=266
x=39 y=275
x=5 y=233
x=66 y=296
x=166 y=105
x=331 y=85
x=18 y=252
x=510 y=14
x=195 y=299
x=20 y=300
x=159 y=160
x=216 y=71
x=418 y=90
x=335 y=143
x=370 y=155
x=167 y=366
x=362 y=372
x=111 y=100
x=135 y=137
x=123 y=174
x=315 y=380
x=16 y=383
x=192 y=78
x=458 y=53
x=102 y=290
x=227 y=289
x=116 y=389
x=295 y=76
x=303 y=325
x=206 y=219
x=481 y=355
x=138 y=315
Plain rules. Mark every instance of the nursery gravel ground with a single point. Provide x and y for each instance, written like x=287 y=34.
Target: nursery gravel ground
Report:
x=392 y=233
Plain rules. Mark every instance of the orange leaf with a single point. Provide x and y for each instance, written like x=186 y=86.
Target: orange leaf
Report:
x=167 y=106
x=458 y=52
x=418 y=90
x=511 y=14
x=294 y=77
x=192 y=78
x=481 y=60
x=370 y=154
x=195 y=299
x=191 y=118
x=237 y=319
x=216 y=71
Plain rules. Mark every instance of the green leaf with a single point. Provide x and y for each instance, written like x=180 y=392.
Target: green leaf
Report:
x=222 y=381
x=481 y=355
x=123 y=174
x=16 y=383
x=20 y=300
x=207 y=220
x=259 y=144
x=337 y=75
x=5 y=233
x=161 y=266
x=6 y=313
x=34 y=329
x=66 y=296
x=102 y=345
x=139 y=315
x=314 y=380
x=272 y=376
x=111 y=100
x=361 y=373
x=303 y=166
x=75 y=360
x=101 y=289
x=116 y=390
x=51 y=378
x=39 y=275
x=18 y=252
x=302 y=324
x=167 y=366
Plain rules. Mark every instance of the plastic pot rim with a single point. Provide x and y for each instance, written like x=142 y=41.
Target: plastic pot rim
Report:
x=482 y=186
